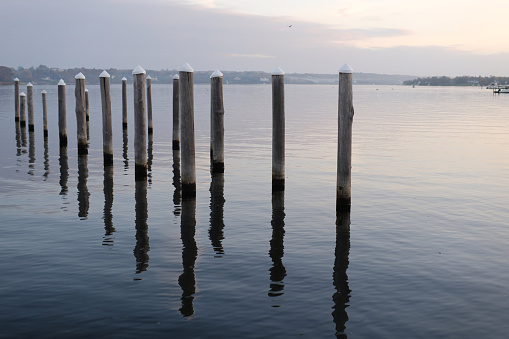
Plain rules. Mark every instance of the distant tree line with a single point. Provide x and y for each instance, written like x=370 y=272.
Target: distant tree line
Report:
x=458 y=81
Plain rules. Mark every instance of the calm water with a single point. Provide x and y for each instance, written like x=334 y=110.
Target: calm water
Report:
x=90 y=253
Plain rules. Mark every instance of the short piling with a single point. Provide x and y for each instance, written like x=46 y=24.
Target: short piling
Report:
x=345 y=120
x=216 y=123
x=176 y=113
x=62 y=114
x=44 y=113
x=87 y=105
x=140 y=124
x=149 y=105
x=22 y=109
x=104 y=80
x=16 y=99
x=188 y=170
x=30 y=106
x=124 y=103
x=278 y=129
x=81 y=118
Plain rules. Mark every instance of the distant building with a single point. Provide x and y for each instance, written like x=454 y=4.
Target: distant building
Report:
x=264 y=80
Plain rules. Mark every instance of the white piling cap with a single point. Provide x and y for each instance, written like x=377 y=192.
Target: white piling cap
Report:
x=61 y=82
x=176 y=77
x=16 y=79
x=124 y=79
x=43 y=91
x=216 y=74
x=139 y=70
x=346 y=69
x=104 y=74
x=22 y=94
x=86 y=89
x=149 y=77
x=186 y=68
x=79 y=76
x=30 y=84
x=278 y=71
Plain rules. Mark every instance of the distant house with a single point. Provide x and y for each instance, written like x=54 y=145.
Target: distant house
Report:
x=264 y=80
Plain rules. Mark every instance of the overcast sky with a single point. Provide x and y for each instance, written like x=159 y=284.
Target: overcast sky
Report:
x=432 y=37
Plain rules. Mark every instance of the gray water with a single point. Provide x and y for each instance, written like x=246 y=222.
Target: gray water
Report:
x=91 y=253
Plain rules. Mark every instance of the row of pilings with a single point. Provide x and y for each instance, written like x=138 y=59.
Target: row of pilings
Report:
x=183 y=138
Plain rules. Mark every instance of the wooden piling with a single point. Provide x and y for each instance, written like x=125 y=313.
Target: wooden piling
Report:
x=81 y=118
x=30 y=106
x=44 y=113
x=104 y=80
x=278 y=129
x=188 y=170
x=124 y=103
x=22 y=109
x=176 y=113
x=345 y=120
x=216 y=123
x=16 y=99
x=149 y=105
x=87 y=105
x=140 y=124
x=62 y=114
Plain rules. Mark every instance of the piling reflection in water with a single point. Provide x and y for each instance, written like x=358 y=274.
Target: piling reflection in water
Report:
x=108 y=204
x=341 y=297
x=187 y=279
x=46 y=158
x=276 y=252
x=64 y=170
x=125 y=149
x=83 y=193
x=31 y=152
x=142 y=242
x=176 y=182
x=217 y=213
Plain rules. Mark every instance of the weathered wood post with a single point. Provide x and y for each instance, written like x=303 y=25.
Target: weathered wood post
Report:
x=22 y=104
x=81 y=117
x=16 y=99
x=124 y=103
x=216 y=123
x=149 y=105
x=104 y=80
x=176 y=113
x=44 y=113
x=188 y=170
x=345 y=119
x=140 y=125
x=62 y=114
x=278 y=129
x=87 y=105
x=30 y=106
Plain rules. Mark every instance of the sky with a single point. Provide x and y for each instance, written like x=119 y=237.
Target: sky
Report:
x=422 y=38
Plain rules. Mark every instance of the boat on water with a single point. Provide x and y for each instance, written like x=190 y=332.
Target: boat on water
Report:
x=501 y=89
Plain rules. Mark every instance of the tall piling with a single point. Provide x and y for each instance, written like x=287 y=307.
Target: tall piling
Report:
x=44 y=113
x=188 y=170
x=140 y=124
x=104 y=80
x=176 y=113
x=22 y=109
x=62 y=114
x=149 y=105
x=124 y=103
x=278 y=129
x=81 y=118
x=16 y=99
x=345 y=120
x=30 y=106
x=216 y=123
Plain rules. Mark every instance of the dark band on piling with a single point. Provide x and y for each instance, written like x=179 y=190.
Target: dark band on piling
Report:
x=217 y=167
x=82 y=149
x=188 y=191
x=140 y=172
x=108 y=159
x=176 y=145
x=278 y=185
